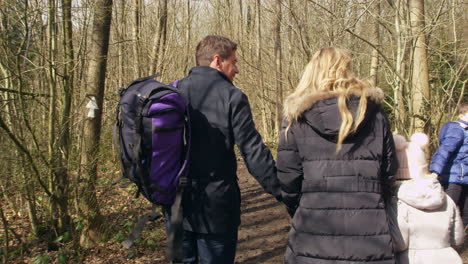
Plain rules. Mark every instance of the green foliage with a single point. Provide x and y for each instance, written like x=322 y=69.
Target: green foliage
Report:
x=150 y=244
x=127 y=225
x=132 y=253
x=152 y=241
x=42 y=259
x=64 y=238
x=79 y=224
x=125 y=229
x=120 y=237
x=63 y=256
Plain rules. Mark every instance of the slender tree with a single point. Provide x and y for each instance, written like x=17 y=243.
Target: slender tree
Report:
x=376 y=40
x=92 y=232
x=52 y=80
x=136 y=37
x=121 y=46
x=400 y=109
x=188 y=37
x=64 y=143
x=160 y=39
x=420 y=75
x=260 y=81
x=279 y=69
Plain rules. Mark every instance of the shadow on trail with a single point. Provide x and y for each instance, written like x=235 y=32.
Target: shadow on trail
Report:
x=255 y=200
x=249 y=194
x=264 y=225
x=281 y=229
x=277 y=251
x=270 y=204
x=253 y=223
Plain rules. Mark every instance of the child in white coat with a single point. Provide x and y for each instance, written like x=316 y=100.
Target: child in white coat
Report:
x=428 y=219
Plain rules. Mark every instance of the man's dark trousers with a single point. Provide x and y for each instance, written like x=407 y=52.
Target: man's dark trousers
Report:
x=213 y=248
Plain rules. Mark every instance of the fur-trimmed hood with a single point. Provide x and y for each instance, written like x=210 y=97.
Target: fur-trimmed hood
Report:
x=300 y=105
x=320 y=110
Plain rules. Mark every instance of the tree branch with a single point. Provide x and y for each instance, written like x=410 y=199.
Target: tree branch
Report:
x=348 y=29
x=380 y=53
x=23 y=149
x=22 y=93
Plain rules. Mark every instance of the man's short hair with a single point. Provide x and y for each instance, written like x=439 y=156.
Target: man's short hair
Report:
x=213 y=45
x=463 y=108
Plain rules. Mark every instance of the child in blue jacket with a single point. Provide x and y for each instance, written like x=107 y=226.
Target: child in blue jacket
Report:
x=450 y=161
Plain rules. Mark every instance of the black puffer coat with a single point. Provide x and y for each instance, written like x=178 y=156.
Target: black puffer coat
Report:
x=336 y=200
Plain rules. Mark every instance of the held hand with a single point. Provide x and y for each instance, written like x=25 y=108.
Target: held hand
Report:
x=434 y=175
x=279 y=198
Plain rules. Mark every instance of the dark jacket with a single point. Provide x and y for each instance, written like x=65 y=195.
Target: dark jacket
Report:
x=336 y=200
x=450 y=160
x=220 y=117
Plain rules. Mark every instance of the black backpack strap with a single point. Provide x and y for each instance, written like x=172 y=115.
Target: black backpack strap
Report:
x=137 y=141
x=153 y=215
x=175 y=233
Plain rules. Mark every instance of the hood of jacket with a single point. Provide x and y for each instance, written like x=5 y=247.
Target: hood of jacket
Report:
x=422 y=193
x=320 y=110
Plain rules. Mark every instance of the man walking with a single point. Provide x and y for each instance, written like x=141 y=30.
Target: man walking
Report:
x=220 y=117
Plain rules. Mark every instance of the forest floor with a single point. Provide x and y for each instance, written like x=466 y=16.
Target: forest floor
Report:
x=262 y=234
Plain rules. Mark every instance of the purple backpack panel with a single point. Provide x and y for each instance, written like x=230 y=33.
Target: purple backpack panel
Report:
x=168 y=124
x=154 y=136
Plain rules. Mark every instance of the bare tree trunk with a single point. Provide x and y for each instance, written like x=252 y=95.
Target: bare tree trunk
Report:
x=376 y=41
x=160 y=39
x=240 y=35
x=52 y=71
x=228 y=14
x=121 y=44
x=279 y=70
x=400 y=67
x=136 y=38
x=163 y=36
x=290 y=61
x=92 y=232
x=332 y=22
x=260 y=83
x=64 y=135
x=187 y=39
x=29 y=193
x=420 y=77
x=6 y=236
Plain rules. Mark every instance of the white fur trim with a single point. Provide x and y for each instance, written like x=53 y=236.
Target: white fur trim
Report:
x=297 y=106
x=421 y=139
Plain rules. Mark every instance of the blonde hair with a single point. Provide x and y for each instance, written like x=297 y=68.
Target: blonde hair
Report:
x=329 y=70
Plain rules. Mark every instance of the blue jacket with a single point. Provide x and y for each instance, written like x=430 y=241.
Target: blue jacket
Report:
x=450 y=161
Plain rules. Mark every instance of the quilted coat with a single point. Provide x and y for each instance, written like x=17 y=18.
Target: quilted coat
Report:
x=429 y=222
x=336 y=200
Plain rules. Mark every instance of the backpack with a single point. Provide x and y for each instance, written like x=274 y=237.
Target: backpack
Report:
x=152 y=133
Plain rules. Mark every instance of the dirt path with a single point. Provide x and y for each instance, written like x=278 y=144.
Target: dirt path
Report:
x=262 y=234
x=264 y=226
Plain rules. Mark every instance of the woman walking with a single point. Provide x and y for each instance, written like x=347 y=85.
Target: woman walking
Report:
x=336 y=161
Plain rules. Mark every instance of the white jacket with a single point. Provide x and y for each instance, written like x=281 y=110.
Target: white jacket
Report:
x=429 y=222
